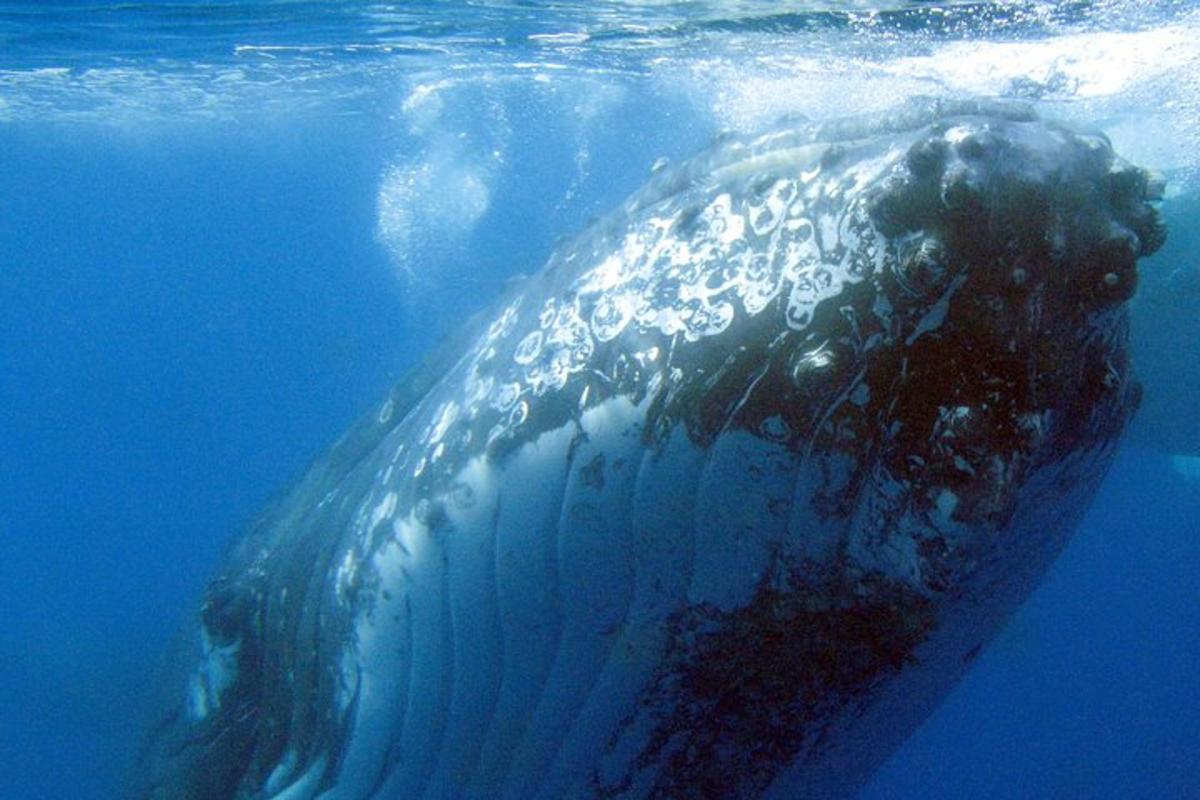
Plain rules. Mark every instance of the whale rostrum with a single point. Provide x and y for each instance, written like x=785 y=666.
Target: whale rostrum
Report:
x=718 y=504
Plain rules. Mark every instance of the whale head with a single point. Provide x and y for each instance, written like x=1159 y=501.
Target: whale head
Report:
x=1015 y=244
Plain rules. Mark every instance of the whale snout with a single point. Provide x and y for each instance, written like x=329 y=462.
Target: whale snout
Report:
x=1015 y=207
x=1015 y=248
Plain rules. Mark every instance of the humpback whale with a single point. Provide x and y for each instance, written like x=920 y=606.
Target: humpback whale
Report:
x=718 y=504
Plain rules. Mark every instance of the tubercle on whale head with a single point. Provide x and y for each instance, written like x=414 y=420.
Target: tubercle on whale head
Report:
x=1016 y=246
x=1022 y=203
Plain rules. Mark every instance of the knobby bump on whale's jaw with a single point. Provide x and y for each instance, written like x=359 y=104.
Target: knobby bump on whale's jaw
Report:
x=1019 y=244
x=946 y=407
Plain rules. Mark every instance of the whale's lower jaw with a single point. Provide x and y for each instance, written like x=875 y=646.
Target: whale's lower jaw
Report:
x=580 y=623
x=864 y=734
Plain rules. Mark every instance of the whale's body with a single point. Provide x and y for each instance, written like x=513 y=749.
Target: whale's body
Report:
x=718 y=505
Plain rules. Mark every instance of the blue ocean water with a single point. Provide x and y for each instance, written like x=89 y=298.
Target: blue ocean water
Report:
x=227 y=228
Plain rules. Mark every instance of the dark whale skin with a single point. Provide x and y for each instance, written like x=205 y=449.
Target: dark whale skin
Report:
x=719 y=504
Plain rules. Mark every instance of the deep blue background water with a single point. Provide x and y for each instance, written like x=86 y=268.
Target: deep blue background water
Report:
x=185 y=322
x=192 y=306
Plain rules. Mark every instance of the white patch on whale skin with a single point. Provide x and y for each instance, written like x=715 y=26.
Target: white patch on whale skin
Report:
x=610 y=315
x=443 y=419
x=662 y=515
x=746 y=249
x=279 y=776
x=947 y=502
x=376 y=669
x=305 y=787
x=649 y=571
x=347 y=572
x=385 y=508
x=549 y=358
x=216 y=672
x=393 y=669
x=385 y=412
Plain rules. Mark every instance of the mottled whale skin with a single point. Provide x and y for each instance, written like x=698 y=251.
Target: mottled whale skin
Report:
x=719 y=504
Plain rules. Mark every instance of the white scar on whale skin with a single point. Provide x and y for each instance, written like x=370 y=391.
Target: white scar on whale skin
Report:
x=215 y=674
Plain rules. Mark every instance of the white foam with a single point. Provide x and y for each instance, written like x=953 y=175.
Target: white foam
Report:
x=1145 y=80
x=1083 y=65
x=747 y=95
